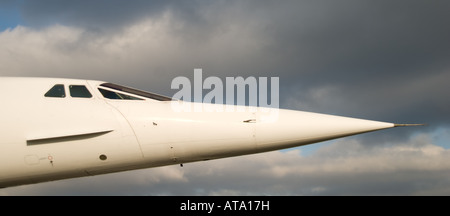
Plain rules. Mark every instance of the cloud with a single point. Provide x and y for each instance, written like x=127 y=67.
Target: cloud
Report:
x=149 y=48
x=96 y=15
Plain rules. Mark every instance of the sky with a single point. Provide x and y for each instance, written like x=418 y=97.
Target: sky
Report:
x=380 y=60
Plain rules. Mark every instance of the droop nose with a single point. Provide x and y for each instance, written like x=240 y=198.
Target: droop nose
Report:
x=295 y=128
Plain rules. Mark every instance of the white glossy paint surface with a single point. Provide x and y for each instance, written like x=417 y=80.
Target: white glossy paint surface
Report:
x=44 y=139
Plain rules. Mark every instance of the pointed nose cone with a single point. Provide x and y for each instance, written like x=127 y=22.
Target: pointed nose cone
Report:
x=295 y=128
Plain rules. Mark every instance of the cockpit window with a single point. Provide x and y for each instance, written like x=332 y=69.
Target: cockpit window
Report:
x=136 y=92
x=56 y=91
x=117 y=96
x=79 y=91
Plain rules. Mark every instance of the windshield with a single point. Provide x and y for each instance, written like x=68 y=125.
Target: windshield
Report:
x=136 y=92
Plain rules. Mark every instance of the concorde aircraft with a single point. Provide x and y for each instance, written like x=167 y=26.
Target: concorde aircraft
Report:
x=55 y=129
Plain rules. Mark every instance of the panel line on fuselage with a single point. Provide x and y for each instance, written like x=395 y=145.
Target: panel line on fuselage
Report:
x=62 y=138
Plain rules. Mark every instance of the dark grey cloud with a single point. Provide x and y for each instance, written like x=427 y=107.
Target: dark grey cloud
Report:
x=384 y=60
x=367 y=56
x=108 y=16
x=90 y=14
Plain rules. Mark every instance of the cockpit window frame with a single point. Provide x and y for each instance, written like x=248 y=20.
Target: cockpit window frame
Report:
x=56 y=91
x=82 y=92
x=136 y=92
x=116 y=95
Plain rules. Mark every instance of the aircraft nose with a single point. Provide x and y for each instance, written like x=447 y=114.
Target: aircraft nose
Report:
x=296 y=128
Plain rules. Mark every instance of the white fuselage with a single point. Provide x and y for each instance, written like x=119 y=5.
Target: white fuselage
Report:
x=49 y=138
